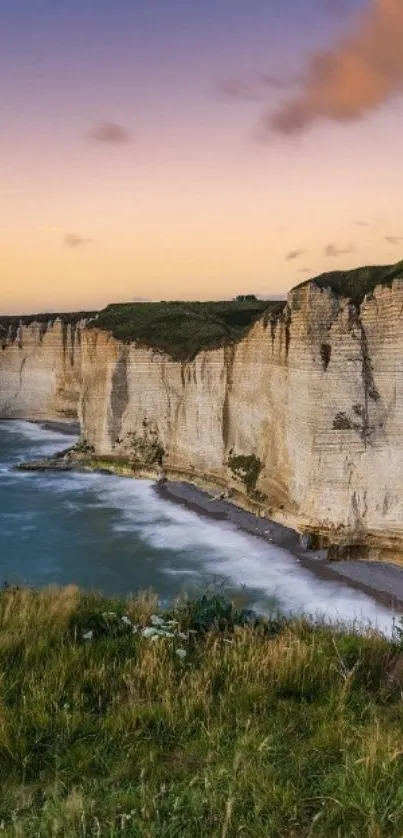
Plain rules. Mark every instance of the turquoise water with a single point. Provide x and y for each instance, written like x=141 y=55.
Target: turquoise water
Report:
x=116 y=535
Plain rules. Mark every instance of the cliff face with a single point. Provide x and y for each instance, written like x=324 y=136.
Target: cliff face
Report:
x=303 y=417
x=40 y=370
x=348 y=453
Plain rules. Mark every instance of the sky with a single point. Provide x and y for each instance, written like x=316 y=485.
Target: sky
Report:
x=172 y=149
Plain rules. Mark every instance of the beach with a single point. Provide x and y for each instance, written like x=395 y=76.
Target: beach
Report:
x=380 y=580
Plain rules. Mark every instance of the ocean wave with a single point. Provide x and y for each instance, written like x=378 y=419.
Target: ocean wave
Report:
x=42 y=442
x=34 y=432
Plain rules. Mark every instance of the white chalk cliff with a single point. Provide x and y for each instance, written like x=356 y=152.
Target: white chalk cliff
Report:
x=40 y=370
x=302 y=418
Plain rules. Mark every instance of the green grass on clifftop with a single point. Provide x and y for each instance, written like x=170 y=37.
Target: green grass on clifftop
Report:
x=355 y=284
x=220 y=728
x=182 y=329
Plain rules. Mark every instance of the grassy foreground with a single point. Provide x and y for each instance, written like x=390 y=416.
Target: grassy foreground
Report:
x=112 y=724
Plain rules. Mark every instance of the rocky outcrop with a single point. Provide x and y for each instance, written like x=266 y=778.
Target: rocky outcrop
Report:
x=301 y=419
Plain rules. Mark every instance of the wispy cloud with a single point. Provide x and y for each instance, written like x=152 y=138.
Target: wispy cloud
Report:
x=74 y=240
x=354 y=78
x=110 y=133
x=394 y=239
x=255 y=88
x=294 y=254
x=304 y=270
x=337 y=7
x=280 y=82
x=331 y=250
x=377 y=222
x=238 y=88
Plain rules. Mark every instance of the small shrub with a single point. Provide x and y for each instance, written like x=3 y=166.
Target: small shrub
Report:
x=83 y=447
x=247 y=469
x=218 y=614
x=341 y=422
x=325 y=354
x=147 y=450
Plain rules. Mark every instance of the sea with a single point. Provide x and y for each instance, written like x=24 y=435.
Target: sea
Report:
x=117 y=536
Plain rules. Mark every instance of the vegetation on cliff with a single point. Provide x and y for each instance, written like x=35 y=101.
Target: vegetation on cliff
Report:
x=247 y=468
x=359 y=282
x=9 y=324
x=182 y=329
x=118 y=719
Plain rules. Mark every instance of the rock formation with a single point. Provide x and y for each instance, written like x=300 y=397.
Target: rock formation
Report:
x=40 y=368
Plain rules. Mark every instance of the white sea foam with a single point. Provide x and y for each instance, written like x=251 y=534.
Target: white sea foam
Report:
x=33 y=431
x=66 y=481
x=44 y=440
x=220 y=549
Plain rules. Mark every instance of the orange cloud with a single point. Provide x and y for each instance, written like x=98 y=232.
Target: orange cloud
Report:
x=73 y=240
x=354 y=78
x=293 y=254
x=332 y=250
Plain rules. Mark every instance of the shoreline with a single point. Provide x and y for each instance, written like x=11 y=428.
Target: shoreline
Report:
x=381 y=581
x=69 y=427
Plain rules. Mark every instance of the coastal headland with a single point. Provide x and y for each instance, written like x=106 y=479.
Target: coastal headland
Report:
x=293 y=410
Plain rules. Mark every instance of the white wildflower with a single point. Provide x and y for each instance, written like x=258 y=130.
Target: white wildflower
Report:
x=183 y=635
x=126 y=620
x=149 y=632
x=135 y=629
x=181 y=653
x=88 y=635
x=168 y=634
x=107 y=614
x=156 y=621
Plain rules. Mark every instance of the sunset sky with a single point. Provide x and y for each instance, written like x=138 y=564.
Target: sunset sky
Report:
x=180 y=149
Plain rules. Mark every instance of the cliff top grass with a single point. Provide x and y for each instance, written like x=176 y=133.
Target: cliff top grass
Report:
x=358 y=282
x=182 y=329
x=119 y=718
